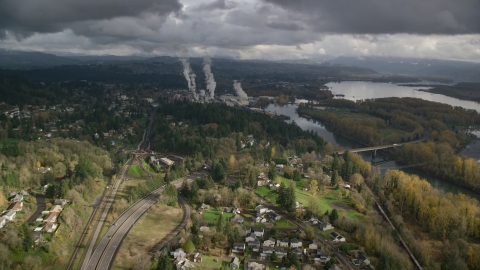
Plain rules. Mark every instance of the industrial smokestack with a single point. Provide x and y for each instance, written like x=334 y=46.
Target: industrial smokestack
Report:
x=209 y=79
x=238 y=89
x=190 y=77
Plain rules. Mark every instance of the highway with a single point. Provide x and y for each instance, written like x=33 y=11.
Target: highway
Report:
x=105 y=251
x=103 y=217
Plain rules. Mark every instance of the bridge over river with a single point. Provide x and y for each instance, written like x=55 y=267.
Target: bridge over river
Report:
x=375 y=148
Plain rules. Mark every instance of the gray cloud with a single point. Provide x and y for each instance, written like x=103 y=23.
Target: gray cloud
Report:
x=388 y=16
x=285 y=26
x=218 y=4
x=46 y=16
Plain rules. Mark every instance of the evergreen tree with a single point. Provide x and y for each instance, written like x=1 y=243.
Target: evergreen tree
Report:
x=333 y=215
x=221 y=223
x=296 y=176
x=164 y=262
x=334 y=180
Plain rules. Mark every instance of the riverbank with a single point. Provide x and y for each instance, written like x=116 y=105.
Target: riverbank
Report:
x=463 y=91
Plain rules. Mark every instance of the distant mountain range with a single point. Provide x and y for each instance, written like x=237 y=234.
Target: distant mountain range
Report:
x=459 y=71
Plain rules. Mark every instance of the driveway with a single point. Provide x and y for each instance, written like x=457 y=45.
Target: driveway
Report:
x=40 y=197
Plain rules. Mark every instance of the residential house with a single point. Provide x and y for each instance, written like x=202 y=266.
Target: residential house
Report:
x=50 y=227
x=205 y=229
x=262 y=180
x=204 y=207
x=337 y=237
x=254 y=245
x=17 y=198
x=23 y=192
x=254 y=266
x=259 y=231
x=273 y=216
x=228 y=209
x=295 y=243
x=61 y=202
x=325 y=226
x=238 y=219
x=322 y=256
x=298 y=251
x=313 y=246
x=250 y=237
x=236 y=211
x=235 y=263
x=182 y=264
x=179 y=253
x=314 y=220
x=282 y=242
x=56 y=209
x=258 y=218
x=2 y=222
x=10 y=215
x=37 y=237
x=247 y=229
x=238 y=248
x=197 y=257
x=267 y=250
x=166 y=163
x=16 y=206
x=281 y=252
x=52 y=217
x=261 y=209
x=270 y=242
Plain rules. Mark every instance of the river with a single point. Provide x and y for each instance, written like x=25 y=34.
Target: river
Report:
x=366 y=90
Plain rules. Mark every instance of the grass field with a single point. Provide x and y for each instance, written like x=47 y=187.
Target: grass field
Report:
x=150 y=229
x=209 y=262
x=136 y=171
x=211 y=216
x=284 y=224
x=324 y=199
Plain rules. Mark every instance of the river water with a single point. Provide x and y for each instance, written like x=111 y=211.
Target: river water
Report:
x=367 y=90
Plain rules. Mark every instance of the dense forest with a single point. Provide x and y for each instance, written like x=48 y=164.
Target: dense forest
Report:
x=75 y=171
x=197 y=127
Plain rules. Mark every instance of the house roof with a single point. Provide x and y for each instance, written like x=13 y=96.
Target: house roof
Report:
x=236 y=261
x=10 y=213
x=258 y=229
x=56 y=208
x=238 y=245
x=15 y=206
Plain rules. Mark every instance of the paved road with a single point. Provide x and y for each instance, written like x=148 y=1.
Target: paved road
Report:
x=106 y=250
x=103 y=217
x=160 y=245
x=40 y=198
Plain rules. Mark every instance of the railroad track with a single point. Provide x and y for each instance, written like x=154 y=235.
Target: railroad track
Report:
x=160 y=245
x=105 y=251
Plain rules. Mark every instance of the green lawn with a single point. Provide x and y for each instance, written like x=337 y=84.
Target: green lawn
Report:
x=284 y=224
x=136 y=171
x=209 y=262
x=322 y=198
x=211 y=216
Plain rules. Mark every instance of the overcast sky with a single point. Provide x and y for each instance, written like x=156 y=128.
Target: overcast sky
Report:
x=266 y=29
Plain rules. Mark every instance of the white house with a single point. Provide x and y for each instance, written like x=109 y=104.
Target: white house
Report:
x=2 y=222
x=10 y=215
x=282 y=242
x=261 y=209
x=238 y=247
x=270 y=242
x=250 y=238
x=258 y=231
x=337 y=237
x=178 y=253
x=295 y=243
x=325 y=226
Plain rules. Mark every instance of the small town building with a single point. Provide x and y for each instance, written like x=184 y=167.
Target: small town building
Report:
x=10 y=215
x=16 y=206
x=235 y=263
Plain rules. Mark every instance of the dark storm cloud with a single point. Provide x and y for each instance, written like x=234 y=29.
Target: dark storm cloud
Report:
x=218 y=4
x=44 y=16
x=388 y=16
x=285 y=26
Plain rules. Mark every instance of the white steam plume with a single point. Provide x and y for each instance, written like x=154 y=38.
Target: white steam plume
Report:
x=190 y=77
x=239 y=90
x=209 y=79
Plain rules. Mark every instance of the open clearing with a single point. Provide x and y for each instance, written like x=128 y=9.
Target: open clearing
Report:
x=156 y=224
